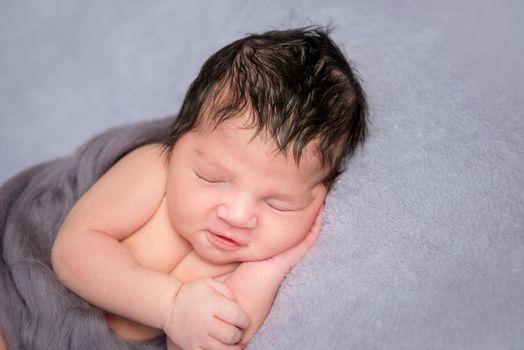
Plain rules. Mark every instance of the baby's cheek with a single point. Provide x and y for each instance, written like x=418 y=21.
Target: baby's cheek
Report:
x=297 y=231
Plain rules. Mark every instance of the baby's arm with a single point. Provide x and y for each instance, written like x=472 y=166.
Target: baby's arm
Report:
x=87 y=255
x=255 y=284
x=89 y=259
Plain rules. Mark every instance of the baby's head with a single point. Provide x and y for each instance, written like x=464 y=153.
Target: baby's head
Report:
x=298 y=88
x=262 y=135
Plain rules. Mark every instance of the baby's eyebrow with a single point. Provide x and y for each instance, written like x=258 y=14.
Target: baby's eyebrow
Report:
x=201 y=154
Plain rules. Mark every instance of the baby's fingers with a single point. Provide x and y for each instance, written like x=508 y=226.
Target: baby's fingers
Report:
x=229 y=312
x=214 y=344
x=221 y=288
x=317 y=224
x=314 y=231
x=224 y=332
x=291 y=257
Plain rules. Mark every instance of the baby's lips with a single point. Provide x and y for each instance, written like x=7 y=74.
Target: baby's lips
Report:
x=222 y=242
x=226 y=236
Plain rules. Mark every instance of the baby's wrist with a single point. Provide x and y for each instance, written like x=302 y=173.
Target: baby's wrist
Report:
x=280 y=267
x=272 y=269
x=167 y=303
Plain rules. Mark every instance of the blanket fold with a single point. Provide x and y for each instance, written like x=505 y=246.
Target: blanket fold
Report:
x=36 y=310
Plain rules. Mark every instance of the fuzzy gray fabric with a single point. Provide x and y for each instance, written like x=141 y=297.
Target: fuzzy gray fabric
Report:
x=36 y=311
x=423 y=242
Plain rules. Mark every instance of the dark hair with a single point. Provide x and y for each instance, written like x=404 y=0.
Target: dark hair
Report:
x=297 y=86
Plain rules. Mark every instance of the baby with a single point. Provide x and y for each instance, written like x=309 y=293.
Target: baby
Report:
x=192 y=238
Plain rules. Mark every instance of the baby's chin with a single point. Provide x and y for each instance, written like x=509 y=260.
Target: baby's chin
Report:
x=218 y=257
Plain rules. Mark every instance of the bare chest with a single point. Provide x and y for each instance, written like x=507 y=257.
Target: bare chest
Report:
x=157 y=246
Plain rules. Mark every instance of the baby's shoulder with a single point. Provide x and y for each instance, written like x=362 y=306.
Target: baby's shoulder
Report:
x=125 y=197
x=150 y=154
x=142 y=172
x=149 y=161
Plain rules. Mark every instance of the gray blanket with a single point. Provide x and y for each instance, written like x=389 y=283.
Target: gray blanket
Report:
x=36 y=311
x=423 y=242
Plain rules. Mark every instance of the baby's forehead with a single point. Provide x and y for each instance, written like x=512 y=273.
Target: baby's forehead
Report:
x=239 y=132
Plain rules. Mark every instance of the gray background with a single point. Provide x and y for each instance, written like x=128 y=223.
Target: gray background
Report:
x=423 y=242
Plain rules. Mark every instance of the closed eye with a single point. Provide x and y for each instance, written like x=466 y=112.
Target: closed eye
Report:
x=279 y=208
x=208 y=180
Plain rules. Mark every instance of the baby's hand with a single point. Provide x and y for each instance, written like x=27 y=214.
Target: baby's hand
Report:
x=286 y=260
x=205 y=316
x=255 y=283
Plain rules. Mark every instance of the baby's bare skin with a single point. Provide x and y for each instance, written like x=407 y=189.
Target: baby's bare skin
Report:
x=158 y=247
x=153 y=230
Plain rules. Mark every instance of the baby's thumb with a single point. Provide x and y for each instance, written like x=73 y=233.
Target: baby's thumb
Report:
x=221 y=288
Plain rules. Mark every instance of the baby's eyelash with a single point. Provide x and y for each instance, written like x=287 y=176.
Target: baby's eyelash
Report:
x=208 y=180
x=279 y=209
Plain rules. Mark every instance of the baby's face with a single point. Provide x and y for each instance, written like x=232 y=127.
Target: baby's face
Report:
x=235 y=199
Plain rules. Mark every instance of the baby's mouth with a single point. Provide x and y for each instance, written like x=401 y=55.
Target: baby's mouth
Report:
x=220 y=241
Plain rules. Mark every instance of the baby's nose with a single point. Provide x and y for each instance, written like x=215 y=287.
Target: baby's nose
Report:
x=238 y=212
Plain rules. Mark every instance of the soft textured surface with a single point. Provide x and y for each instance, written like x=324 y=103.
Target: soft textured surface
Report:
x=37 y=311
x=423 y=244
